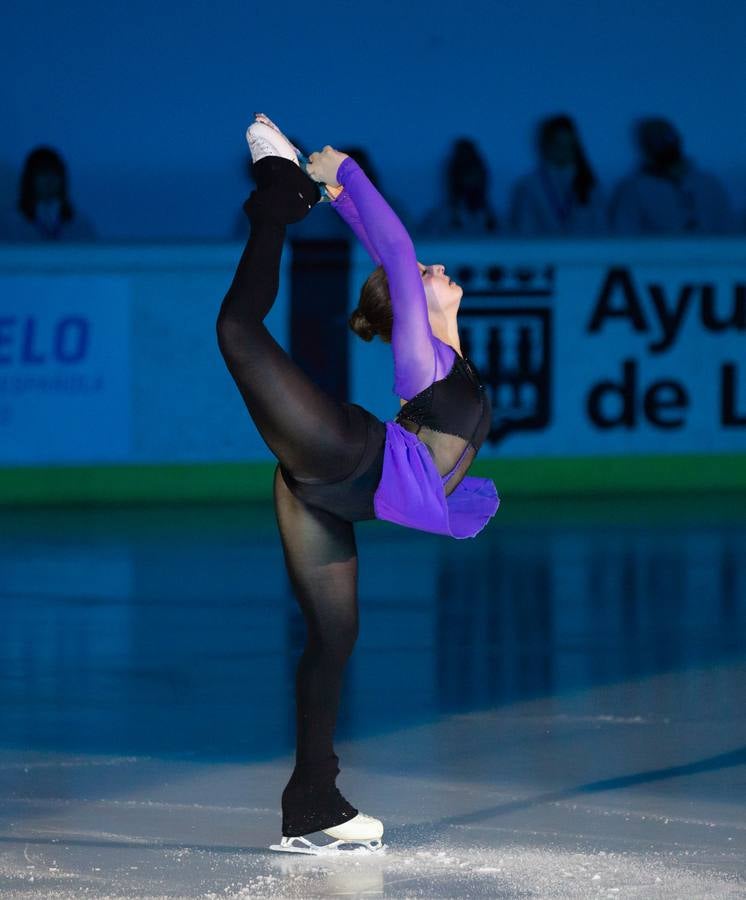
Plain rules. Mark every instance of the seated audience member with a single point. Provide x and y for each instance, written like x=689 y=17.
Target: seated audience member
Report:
x=561 y=196
x=467 y=211
x=669 y=194
x=44 y=211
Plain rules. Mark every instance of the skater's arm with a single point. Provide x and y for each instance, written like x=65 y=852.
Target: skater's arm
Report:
x=412 y=340
x=345 y=206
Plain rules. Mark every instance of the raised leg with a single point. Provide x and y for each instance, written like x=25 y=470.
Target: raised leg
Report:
x=311 y=433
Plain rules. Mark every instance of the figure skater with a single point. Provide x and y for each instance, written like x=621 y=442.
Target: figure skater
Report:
x=338 y=463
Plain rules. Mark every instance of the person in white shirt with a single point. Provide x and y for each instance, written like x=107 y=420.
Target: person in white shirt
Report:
x=668 y=194
x=44 y=211
x=467 y=211
x=561 y=196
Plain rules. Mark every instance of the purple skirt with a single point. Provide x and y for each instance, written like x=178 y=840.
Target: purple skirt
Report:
x=411 y=491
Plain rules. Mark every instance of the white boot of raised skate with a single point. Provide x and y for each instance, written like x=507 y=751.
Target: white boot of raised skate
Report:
x=263 y=140
x=260 y=117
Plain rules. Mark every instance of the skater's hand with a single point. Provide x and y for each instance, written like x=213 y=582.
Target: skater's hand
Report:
x=323 y=166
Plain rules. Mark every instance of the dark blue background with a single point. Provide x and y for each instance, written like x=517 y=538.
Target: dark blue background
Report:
x=149 y=102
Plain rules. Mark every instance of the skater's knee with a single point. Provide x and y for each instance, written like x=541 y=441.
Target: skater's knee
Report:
x=222 y=322
x=222 y=329
x=231 y=331
x=340 y=641
x=332 y=639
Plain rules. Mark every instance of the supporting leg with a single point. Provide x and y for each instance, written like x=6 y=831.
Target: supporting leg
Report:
x=321 y=557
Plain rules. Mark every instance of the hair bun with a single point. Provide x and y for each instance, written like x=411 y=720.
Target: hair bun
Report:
x=361 y=326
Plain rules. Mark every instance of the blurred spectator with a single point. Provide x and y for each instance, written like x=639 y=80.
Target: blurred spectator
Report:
x=668 y=194
x=45 y=212
x=561 y=196
x=467 y=211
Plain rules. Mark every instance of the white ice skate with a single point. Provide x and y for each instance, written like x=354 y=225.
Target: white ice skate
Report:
x=266 y=139
x=362 y=830
x=265 y=120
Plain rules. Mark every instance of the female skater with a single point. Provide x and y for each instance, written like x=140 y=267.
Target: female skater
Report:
x=338 y=463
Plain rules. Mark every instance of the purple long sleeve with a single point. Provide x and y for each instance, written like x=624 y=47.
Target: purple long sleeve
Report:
x=346 y=208
x=419 y=357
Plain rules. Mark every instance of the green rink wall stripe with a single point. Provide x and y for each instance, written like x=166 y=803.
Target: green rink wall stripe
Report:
x=221 y=482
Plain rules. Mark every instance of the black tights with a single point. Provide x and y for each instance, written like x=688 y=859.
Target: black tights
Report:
x=313 y=436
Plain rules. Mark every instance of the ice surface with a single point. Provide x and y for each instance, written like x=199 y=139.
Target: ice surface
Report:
x=502 y=826
x=556 y=712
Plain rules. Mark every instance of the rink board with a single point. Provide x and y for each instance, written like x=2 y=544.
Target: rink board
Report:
x=611 y=365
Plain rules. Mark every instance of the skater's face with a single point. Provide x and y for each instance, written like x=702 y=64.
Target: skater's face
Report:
x=441 y=291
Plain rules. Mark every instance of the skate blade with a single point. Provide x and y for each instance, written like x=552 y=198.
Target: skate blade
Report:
x=360 y=848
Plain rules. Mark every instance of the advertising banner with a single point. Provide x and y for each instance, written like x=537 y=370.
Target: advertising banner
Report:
x=592 y=348
x=64 y=369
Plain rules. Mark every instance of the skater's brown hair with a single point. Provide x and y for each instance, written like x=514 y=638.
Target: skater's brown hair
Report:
x=374 y=315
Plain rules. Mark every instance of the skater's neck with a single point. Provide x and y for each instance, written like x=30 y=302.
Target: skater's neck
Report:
x=445 y=327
